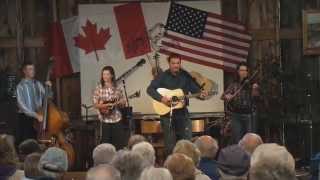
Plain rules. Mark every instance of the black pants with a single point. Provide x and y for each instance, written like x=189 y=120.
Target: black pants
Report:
x=115 y=134
x=25 y=129
x=179 y=128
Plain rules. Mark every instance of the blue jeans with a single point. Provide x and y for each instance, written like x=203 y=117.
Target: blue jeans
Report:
x=240 y=125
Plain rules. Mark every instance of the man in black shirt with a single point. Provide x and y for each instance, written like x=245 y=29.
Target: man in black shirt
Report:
x=174 y=78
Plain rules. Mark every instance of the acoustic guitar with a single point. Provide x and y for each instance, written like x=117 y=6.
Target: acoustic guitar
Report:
x=177 y=96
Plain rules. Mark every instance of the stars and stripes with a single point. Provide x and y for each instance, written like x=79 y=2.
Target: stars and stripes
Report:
x=205 y=38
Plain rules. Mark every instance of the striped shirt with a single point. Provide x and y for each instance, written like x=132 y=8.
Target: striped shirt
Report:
x=30 y=94
x=102 y=94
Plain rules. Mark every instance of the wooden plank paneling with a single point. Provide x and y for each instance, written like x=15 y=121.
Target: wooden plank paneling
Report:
x=269 y=34
x=34 y=42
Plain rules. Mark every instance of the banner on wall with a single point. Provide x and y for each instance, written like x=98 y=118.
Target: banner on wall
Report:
x=122 y=34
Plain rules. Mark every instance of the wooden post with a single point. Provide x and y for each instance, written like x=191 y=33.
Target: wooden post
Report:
x=58 y=80
x=19 y=40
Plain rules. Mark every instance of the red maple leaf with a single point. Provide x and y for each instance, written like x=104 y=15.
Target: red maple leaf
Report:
x=92 y=40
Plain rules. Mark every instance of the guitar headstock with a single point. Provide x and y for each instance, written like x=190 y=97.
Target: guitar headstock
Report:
x=50 y=66
x=156 y=56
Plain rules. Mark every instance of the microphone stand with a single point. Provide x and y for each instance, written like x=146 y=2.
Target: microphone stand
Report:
x=128 y=109
x=86 y=107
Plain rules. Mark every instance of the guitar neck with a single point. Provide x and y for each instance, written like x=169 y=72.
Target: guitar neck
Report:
x=198 y=94
x=192 y=95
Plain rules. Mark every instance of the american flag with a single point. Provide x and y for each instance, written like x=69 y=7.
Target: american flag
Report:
x=205 y=38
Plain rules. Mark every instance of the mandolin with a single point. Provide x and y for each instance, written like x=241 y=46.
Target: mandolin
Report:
x=112 y=104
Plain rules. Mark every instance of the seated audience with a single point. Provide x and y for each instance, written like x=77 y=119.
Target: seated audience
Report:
x=147 y=151
x=135 y=139
x=29 y=146
x=103 y=154
x=53 y=163
x=103 y=172
x=181 y=167
x=31 y=170
x=8 y=161
x=189 y=149
x=234 y=163
x=130 y=164
x=208 y=148
x=152 y=173
x=250 y=142
x=272 y=161
x=25 y=148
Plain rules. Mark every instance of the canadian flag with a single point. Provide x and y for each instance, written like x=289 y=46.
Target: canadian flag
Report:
x=61 y=47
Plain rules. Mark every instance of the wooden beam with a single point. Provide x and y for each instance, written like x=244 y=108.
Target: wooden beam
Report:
x=258 y=35
x=269 y=34
x=20 y=36
x=11 y=42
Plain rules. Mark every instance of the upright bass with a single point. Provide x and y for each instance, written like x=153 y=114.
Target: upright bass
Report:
x=51 y=129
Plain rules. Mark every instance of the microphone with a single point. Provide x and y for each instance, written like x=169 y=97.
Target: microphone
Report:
x=141 y=62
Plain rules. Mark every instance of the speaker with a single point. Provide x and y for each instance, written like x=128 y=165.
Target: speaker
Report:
x=8 y=85
x=3 y=87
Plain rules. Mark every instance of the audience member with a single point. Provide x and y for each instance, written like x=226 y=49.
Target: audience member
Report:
x=189 y=149
x=250 y=142
x=147 y=151
x=234 y=163
x=152 y=173
x=103 y=154
x=208 y=147
x=8 y=161
x=181 y=167
x=31 y=170
x=27 y=147
x=53 y=163
x=130 y=164
x=103 y=172
x=135 y=139
x=272 y=161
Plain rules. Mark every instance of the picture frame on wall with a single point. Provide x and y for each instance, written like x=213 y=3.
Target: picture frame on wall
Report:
x=311 y=32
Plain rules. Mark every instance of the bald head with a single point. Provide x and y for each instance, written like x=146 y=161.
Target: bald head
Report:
x=250 y=142
x=208 y=146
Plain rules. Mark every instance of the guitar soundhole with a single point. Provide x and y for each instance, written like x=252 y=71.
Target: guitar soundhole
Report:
x=174 y=99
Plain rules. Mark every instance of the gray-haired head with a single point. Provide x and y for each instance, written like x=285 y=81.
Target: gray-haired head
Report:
x=250 y=142
x=208 y=146
x=103 y=154
x=189 y=149
x=130 y=164
x=156 y=174
x=147 y=151
x=53 y=162
x=272 y=161
x=135 y=139
x=103 y=172
x=29 y=146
